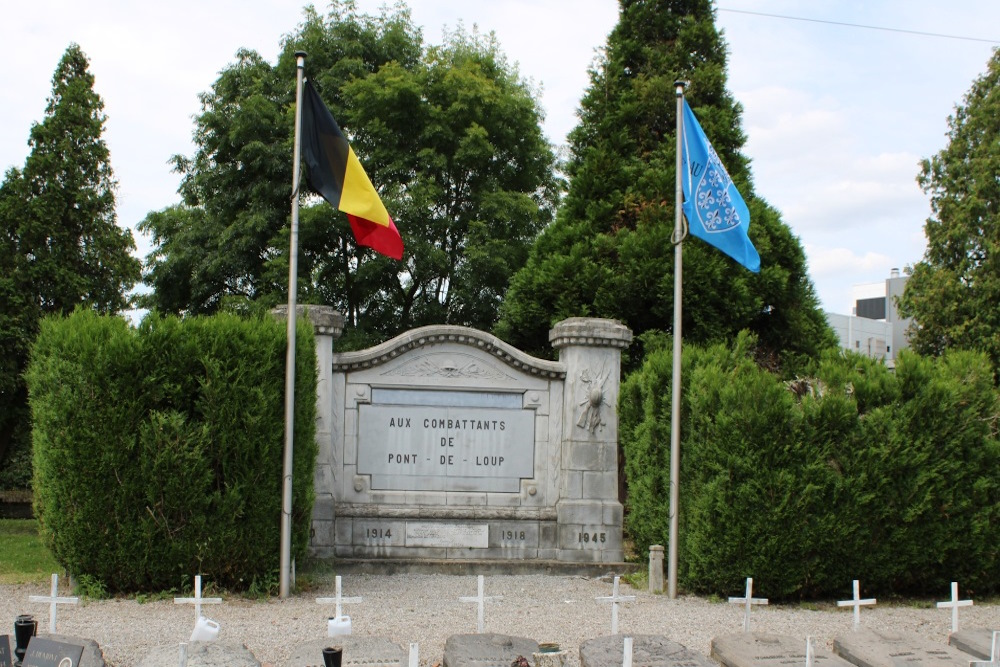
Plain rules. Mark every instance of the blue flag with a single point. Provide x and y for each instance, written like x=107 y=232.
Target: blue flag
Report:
x=715 y=211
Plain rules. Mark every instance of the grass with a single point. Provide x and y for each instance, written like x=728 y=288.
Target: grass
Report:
x=23 y=557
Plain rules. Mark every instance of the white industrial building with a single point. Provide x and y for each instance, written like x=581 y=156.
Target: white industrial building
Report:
x=875 y=327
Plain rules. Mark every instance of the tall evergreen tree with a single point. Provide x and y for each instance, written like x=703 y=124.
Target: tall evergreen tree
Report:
x=609 y=252
x=61 y=245
x=954 y=290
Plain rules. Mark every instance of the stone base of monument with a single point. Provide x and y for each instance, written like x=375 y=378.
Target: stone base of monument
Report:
x=974 y=641
x=487 y=650
x=202 y=654
x=881 y=648
x=753 y=649
x=484 y=567
x=647 y=651
x=367 y=651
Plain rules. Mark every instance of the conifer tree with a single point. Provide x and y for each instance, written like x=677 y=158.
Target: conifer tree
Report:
x=609 y=252
x=953 y=292
x=61 y=245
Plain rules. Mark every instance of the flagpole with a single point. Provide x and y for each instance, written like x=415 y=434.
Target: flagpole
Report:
x=293 y=270
x=675 y=392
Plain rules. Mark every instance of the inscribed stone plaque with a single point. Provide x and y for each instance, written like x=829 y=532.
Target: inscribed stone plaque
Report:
x=358 y=652
x=487 y=650
x=974 y=641
x=881 y=648
x=6 y=652
x=754 y=649
x=44 y=652
x=459 y=535
x=647 y=651
x=440 y=448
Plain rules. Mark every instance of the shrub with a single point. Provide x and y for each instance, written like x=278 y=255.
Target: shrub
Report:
x=158 y=450
x=854 y=473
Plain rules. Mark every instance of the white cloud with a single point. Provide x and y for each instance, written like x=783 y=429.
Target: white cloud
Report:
x=835 y=271
x=826 y=261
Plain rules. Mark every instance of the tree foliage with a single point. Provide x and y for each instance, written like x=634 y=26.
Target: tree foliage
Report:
x=609 y=252
x=158 y=449
x=450 y=136
x=953 y=292
x=854 y=472
x=60 y=247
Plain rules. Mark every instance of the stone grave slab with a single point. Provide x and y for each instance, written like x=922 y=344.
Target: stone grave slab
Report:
x=366 y=651
x=868 y=647
x=47 y=652
x=44 y=652
x=756 y=649
x=974 y=641
x=647 y=651
x=92 y=656
x=487 y=650
x=202 y=654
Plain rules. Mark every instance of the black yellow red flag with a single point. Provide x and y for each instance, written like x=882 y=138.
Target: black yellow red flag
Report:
x=334 y=171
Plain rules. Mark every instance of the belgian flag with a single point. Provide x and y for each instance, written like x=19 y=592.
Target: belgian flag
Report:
x=334 y=171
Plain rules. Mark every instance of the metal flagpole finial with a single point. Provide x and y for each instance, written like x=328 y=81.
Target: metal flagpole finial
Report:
x=680 y=84
x=300 y=56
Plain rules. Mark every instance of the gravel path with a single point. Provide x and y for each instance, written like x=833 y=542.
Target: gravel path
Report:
x=426 y=609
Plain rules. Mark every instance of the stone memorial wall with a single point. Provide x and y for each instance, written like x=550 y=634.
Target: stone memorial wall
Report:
x=447 y=443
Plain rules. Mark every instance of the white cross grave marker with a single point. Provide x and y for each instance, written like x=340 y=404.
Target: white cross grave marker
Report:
x=810 y=657
x=856 y=603
x=52 y=601
x=954 y=603
x=339 y=601
x=481 y=599
x=197 y=600
x=748 y=600
x=414 y=655
x=994 y=660
x=615 y=599
x=627 y=656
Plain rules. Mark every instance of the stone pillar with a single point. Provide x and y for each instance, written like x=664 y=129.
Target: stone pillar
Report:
x=328 y=325
x=589 y=516
x=656 y=569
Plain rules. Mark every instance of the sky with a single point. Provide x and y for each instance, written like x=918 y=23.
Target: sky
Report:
x=837 y=118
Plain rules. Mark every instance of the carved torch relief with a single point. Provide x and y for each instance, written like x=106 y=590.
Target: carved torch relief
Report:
x=591 y=407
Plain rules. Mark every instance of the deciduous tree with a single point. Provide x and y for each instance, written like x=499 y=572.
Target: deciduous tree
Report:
x=450 y=136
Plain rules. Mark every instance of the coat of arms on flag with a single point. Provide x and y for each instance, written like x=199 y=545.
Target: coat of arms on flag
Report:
x=715 y=209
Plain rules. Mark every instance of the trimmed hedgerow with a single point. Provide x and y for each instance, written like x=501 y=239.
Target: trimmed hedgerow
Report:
x=158 y=450
x=855 y=473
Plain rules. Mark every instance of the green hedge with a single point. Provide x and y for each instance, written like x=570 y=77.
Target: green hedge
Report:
x=158 y=451
x=855 y=473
